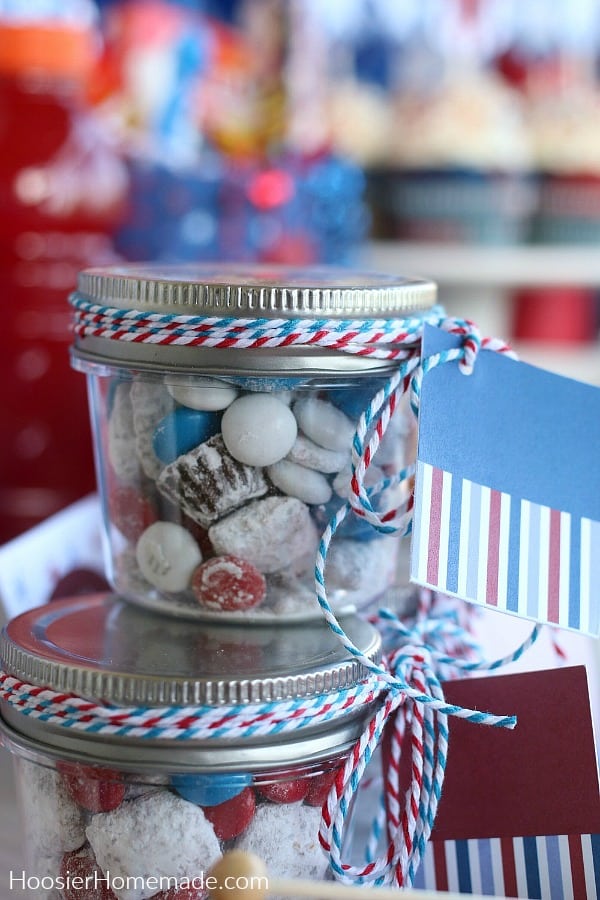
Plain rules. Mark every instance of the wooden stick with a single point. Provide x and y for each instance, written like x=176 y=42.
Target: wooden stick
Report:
x=243 y=876
x=332 y=890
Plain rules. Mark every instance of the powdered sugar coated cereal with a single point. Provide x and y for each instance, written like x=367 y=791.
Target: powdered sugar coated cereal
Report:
x=272 y=533
x=286 y=837
x=53 y=822
x=159 y=835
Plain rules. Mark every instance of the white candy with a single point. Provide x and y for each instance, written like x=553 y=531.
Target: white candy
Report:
x=258 y=429
x=53 y=822
x=285 y=836
x=202 y=393
x=298 y=481
x=306 y=453
x=156 y=836
x=167 y=555
x=271 y=533
x=324 y=423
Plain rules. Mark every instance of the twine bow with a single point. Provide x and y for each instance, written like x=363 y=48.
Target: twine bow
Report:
x=413 y=714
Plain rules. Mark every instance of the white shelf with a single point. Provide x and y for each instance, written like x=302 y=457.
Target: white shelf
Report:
x=474 y=266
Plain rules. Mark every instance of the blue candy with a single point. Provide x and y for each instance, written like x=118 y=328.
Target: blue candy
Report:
x=210 y=790
x=353 y=400
x=182 y=430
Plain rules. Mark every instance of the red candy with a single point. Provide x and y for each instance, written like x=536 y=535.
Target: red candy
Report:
x=233 y=816
x=95 y=789
x=284 y=791
x=319 y=787
x=83 y=877
x=130 y=511
x=228 y=584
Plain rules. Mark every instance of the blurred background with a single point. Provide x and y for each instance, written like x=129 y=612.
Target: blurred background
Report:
x=454 y=139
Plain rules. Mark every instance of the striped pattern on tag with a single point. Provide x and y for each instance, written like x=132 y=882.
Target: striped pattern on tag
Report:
x=492 y=548
x=551 y=867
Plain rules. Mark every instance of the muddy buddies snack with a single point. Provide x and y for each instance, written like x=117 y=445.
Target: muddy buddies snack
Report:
x=192 y=740
x=234 y=418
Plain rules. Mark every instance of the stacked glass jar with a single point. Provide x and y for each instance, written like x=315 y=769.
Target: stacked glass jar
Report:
x=207 y=705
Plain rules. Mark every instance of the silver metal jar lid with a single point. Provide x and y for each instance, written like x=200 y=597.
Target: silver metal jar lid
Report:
x=251 y=291
x=108 y=651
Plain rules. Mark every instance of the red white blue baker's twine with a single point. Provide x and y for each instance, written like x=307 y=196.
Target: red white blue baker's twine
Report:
x=392 y=338
x=406 y=688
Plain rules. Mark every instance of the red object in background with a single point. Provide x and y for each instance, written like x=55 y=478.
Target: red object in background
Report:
x=556 y=315
x=62 y=190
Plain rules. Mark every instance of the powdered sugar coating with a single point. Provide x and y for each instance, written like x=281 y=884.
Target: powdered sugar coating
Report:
x=151 y=402
x=53 y=822
x=207 y=483
x=159 y=835
x=358 y=566
x=271 y=532
x=286 y=838
x=306 y=453
x=121 y=436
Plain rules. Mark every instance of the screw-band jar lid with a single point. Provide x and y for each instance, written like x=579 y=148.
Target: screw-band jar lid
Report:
x=124 y=315
x=110 y=651
x=256 y=291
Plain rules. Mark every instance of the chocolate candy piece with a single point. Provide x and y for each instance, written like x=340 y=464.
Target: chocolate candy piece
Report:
x=80 y=868
x=298 y=481
x=201 y=393
x=213 y=789
x=228 y=584
x=207 y=483
x=94 y=788
x=167 y=555
x=231 y=818
x=284 y=791
x=273 y=533
x=182 y=430
x=259 y=429
x=324 y=423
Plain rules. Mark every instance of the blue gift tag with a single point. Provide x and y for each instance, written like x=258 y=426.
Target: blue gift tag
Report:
x=507 y=496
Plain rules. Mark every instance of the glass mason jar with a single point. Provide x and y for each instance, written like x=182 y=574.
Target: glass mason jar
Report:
x=220 y=464
x=149 y=816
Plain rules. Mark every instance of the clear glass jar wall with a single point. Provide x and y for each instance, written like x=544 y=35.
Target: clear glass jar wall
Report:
x=100 y=832
x=216 y=491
